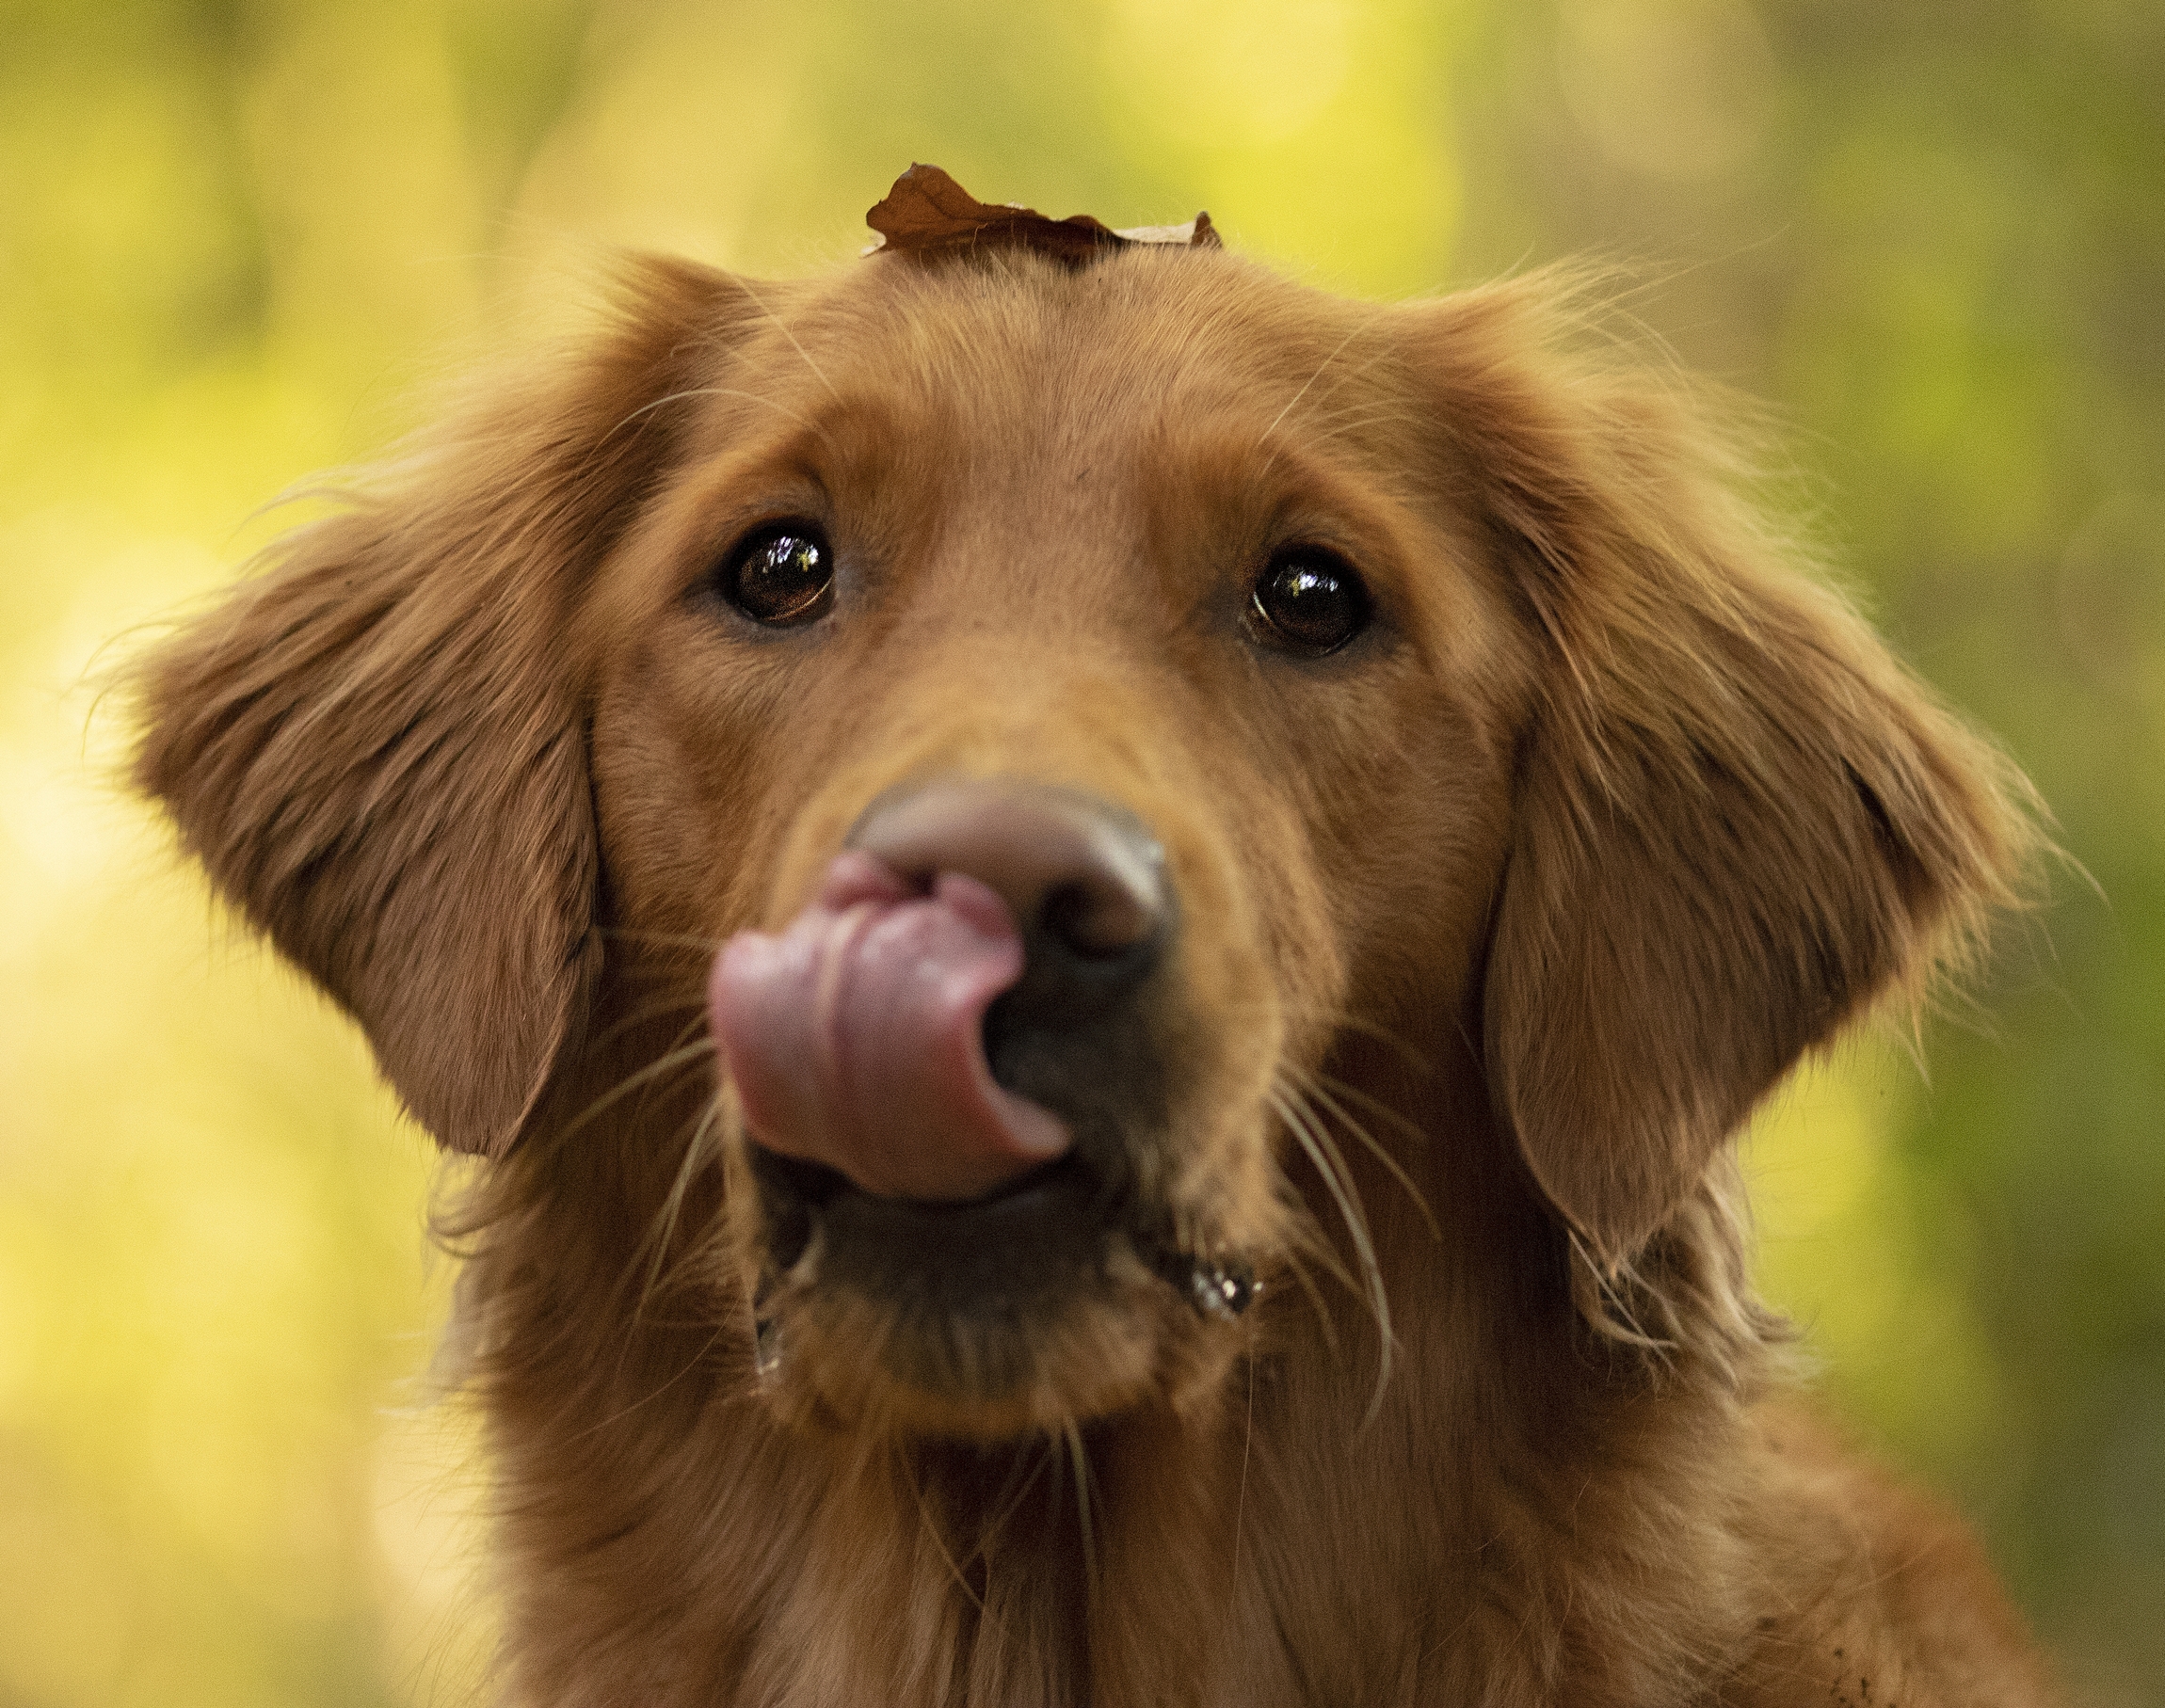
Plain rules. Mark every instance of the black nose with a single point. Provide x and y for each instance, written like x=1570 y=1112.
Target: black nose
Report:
x=1087 y=884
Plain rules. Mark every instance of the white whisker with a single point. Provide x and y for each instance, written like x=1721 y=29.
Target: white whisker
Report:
x=631 y=1082
x=780 y=326
x=1240 y=1500
x=1081 y=1461
x=750 y=397
x=932 y=1529
x=665 y=1228
x=1314 y=1089
x=1324 y=1153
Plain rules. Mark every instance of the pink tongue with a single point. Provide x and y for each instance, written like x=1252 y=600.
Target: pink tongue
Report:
x=855 y=1037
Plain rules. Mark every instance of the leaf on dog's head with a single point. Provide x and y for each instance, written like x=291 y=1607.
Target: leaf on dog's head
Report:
x=928 y=213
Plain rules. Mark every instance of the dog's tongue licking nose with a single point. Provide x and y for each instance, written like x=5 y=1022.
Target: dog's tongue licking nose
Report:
x=856 y=1036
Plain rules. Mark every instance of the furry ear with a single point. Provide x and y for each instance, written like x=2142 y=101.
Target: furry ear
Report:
x=378 y=746
x=1738 y=819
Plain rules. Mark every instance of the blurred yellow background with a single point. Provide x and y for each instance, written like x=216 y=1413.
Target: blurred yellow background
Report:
x=240 y=238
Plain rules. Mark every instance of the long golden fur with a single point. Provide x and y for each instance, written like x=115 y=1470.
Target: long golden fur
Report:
x=1496 y=925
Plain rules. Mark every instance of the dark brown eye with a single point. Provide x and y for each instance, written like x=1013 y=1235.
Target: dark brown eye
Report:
x=780 y=574
x=1308 y=600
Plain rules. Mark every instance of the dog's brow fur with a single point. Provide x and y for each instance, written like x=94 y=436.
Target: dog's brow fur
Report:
x=1533 y=890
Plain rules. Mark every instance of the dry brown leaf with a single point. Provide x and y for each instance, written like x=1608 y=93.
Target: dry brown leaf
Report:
x=928 y=213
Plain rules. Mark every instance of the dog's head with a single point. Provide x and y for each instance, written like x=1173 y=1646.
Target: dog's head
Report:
x=1077 y=698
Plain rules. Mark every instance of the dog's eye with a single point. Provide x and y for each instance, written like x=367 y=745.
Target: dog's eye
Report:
x=1308 y=600
x=780 y=574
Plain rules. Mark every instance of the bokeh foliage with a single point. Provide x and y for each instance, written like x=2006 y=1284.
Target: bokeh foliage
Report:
x=238 y=238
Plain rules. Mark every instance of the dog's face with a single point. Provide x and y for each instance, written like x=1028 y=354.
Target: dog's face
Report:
x=1035 y=553
x=1077 y=698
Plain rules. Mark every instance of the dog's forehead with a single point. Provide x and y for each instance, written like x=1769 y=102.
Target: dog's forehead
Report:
x=1011 y=345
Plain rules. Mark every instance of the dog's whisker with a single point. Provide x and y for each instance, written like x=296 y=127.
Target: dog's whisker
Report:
x=635 y=1018
x=1329 y=1161
x=647 y=1076
x=1310 y=1238
x=692 y=391
x=931 y=1529
x=1339 y=1020
x=1306 y=1236
x=665 y=939
x=1076 y=1453
x=1396 y=1119
x=1330 y=1165
x=609 y=1420
x=700 y=1153
x=1359 y=327
x=655 y=1242
x=782 y=327
x=1015 y=1490
x=1309 y=1235
x=1315 y=1090
x=1324 y=429
x=1241 y=1500
x=685 y=1031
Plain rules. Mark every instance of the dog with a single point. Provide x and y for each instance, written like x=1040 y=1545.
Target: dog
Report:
x=1104 y=922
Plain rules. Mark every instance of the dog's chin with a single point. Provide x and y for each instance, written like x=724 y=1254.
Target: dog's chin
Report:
x=1047 y=1303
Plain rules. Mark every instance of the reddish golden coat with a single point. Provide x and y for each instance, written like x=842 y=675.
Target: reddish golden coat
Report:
x=1619 y=815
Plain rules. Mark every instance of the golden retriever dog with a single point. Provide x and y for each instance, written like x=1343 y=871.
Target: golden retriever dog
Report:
x=1105 y=923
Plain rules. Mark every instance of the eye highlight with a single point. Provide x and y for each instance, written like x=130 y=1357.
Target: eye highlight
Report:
x=780 y=574
x=1308 y=599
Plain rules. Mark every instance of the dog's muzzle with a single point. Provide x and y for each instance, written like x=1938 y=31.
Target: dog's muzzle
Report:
x=944 y=1061
x=958 y=995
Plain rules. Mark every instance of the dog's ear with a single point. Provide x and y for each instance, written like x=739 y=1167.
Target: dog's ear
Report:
x=1739 y=819
x=376 y=746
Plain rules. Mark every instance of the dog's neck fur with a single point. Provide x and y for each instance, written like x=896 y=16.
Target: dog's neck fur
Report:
x=1508 y=1434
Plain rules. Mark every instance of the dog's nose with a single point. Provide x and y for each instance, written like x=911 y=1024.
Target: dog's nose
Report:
x=1085 y=880
x=1089 y=891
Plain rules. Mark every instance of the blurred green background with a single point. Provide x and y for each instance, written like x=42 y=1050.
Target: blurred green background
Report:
x=238 y=240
